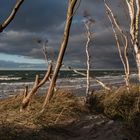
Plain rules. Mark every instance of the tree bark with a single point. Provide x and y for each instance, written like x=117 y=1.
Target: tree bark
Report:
x=88 y=58
x=134 y=13
x=64 y=43
x=138 y=64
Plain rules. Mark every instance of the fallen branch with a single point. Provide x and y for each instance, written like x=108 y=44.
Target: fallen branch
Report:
x=59 y=115
x=92 y=77
x=36 y=86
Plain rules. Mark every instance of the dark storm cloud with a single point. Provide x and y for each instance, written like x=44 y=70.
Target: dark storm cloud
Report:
x=38 y=20
x=43 y=20
x=21 y=43
x=35 y=15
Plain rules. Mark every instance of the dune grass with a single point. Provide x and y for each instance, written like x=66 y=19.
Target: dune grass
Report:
x=119 y=104
x=63 y=109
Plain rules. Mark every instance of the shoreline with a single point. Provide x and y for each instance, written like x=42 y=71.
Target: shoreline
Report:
x=76 y=85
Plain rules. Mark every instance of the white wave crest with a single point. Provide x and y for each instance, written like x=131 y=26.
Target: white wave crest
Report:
x=6 y=78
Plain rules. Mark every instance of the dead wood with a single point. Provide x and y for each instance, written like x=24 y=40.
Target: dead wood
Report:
x=36 y=86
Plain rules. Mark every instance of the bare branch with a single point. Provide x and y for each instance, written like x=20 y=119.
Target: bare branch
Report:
x=124 y=59
x=64 y=43
x=12 y=15
x=36 y=86
x=92 y=77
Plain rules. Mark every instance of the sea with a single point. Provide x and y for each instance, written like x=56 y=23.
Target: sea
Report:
x=13 y=82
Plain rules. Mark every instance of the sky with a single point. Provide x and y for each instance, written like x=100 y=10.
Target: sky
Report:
x=44 y=20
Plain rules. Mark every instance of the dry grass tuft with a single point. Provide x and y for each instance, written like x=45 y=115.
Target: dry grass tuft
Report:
x=120 y=104
x=64 y=108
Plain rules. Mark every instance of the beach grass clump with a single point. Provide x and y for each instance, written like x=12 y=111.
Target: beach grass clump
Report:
x=120 y=104
x=63 y=108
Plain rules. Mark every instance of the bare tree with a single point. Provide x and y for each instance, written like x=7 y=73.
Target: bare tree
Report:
x=134 y=14
x=12 y=15
x=88 y=22
x=38 y=83
x=122 y=54
x=63 y=47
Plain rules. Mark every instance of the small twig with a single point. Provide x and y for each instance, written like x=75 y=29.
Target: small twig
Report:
x=25 y=92
x=59 y=115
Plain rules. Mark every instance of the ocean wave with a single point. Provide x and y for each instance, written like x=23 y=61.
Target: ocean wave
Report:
x=6 y=78
x=16 y=83
x=10 y=88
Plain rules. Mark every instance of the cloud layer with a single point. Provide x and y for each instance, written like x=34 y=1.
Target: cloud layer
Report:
x=45 y=20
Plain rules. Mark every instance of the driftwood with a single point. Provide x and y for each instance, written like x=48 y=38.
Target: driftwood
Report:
x=37 y=84
x=12 y=15
x=63 y=47
x=91 y=77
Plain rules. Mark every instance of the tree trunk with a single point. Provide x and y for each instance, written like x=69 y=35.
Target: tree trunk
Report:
x=138 y=64
x=70 y=11
x=123 y=54
x=134 y=13
x=88 y=58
